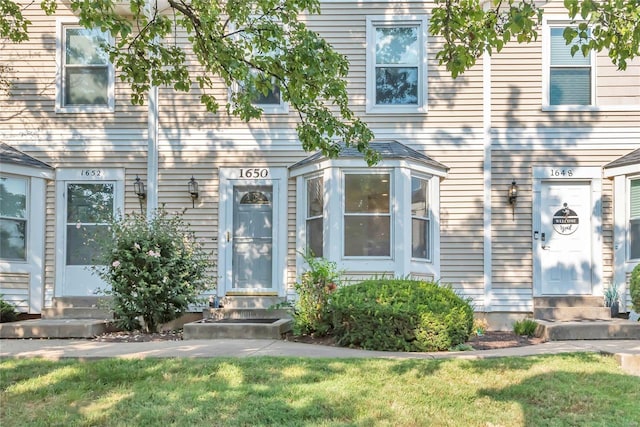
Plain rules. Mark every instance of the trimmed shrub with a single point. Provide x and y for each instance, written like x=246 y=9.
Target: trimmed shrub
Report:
x=634 y=286
x=400 y=315
x=7 y=311
x=156 y=269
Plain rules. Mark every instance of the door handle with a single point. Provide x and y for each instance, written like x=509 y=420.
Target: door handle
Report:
x=228 y=236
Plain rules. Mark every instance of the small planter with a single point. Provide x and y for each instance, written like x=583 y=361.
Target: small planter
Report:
x=615 y=309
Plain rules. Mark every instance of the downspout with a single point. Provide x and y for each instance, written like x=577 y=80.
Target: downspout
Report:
x=152 y=135
x=487 y=178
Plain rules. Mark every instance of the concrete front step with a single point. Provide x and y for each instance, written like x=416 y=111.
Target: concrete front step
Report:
x=54 y=328
x=612 y=329
x=244 y=313
x=571 y=313
x=240 y=329
x=569 y=301
x=250 y=301
x=76 y=313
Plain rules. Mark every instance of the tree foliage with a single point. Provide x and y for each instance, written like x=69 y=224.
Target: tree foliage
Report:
x=260 y=45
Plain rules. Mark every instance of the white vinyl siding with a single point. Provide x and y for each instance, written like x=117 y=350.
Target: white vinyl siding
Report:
x=86 y=76
x=396 y=64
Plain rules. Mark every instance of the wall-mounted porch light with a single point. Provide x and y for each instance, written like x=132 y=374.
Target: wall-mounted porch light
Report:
x=513 y=196
x=140 y=190
x=192 y=185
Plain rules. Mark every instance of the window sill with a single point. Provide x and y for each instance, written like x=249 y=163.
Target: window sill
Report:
x=88 y=110
x=589 y=108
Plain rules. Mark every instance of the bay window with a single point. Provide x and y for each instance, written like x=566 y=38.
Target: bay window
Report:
x=420 y=218
x=314 y=217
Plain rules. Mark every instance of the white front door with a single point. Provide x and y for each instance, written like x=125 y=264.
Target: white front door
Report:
x=252 y=243
x=565 y=239
x=86 y=205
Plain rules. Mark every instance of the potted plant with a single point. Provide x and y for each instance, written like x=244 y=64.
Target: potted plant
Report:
x=612 y=299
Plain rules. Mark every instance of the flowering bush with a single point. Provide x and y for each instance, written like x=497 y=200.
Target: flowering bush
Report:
x=310 y=313
x=155 y=268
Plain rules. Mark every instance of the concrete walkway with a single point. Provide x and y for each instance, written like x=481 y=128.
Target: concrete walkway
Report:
x=627 y=352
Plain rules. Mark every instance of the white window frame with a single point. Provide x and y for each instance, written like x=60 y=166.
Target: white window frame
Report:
x=25 y=218
x=375 y=21
x=427 y=218
x=548 y=24
x=628 y=180
x=61 y=26
x=306 y=210
x=389 y=214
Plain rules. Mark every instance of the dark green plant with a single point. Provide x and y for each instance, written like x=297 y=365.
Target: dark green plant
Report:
x=400 y=315
x=7 y=311
x=634 y=287
x=314 y=288
x=155 y=268
x=525 y=327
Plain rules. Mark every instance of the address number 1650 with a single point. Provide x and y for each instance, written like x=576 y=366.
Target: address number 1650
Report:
x=254 y=173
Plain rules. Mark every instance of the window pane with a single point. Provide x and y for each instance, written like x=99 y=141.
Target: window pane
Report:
x=634 y=239
x=314 y=197
x=13 y=197
x=367 y=236
x=634 y=203
x=367 y=193
x=314 y=236
x=86 y=86
x=83 y=243
x=420 y=238
x=419 y=197
x=271 y=98
x=561 y=52
x=83 y=47
x=570 y=86
x=398 y=45
x=13 y=238
x=89 y=203
x=397 y=85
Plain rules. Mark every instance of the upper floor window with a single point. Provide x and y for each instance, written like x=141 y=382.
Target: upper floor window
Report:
x=267 y=99
x=634 y=219
x=396 y=64
x=13 y=218
x=86 y=76
x=570 y=77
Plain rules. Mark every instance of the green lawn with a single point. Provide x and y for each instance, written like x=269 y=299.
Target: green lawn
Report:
x=562 y=390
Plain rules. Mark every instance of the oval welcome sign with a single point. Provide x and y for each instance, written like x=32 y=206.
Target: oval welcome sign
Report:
x=565 y=221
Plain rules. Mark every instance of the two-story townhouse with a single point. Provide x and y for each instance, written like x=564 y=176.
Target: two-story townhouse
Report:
x=511 y=182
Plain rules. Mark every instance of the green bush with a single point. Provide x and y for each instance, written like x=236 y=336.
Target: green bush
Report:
x=7 y=311
x=634 y=286
x=400 y=315
x=155 y=267
x=310 y=310
x=525 y=327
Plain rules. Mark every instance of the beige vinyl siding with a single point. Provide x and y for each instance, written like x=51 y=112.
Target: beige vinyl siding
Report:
x=615 y=87
x=31 y=105
x=14 y=289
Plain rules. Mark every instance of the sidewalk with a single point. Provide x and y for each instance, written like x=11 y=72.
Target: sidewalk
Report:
x=627 y=352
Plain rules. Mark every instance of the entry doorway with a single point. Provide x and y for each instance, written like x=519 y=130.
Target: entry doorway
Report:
x=567 y=236
x=252 y=234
